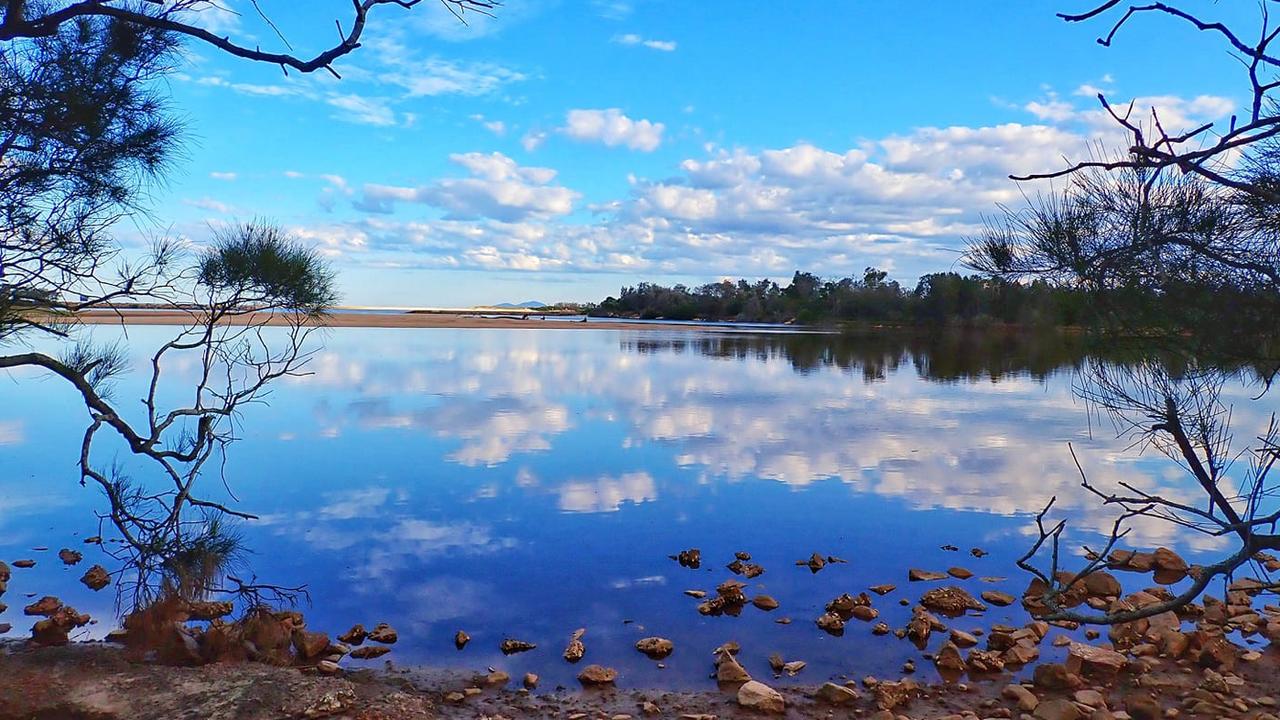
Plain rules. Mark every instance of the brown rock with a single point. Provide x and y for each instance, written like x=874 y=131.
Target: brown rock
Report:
x=950 y=664
x=1102 y=584
x=574 y=651
x=310 y=645
x=597 y=675
x=46 y=606
x=918 y=575
x=765 y=602
x=691 y=558
x=959 y=573
x=69 y=556
x=892 y=695
x=758 y=696
x=461 y=639
x=1055 y=676
x=24 y=564
x=728 y=670
x=1141 y=707
x=511 y=646
x=96 y=578
x=655 y=647
x=1025 y=699
x=1093 y=661
x=369 y=652
x=354 y=636
x=998 y=598
x=1058 y=709
x=834 y=694
x=883 y=589
x=383 y=633
x=530 y=681
x=950 y=601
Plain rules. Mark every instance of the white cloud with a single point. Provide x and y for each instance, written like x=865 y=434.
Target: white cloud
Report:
x=533 y=140
x=12 y=432
x=212 y=205
x=227 y=176
x=633 y=39
x=363 y=110
x=612 y=128
x=498 y=188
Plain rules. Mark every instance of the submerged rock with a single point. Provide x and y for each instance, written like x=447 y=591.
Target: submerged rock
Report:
x=951 y=601
x=69 y=556
x=597 y=675
x=655 y=648
x=574 y=651
x=511 y=646
x=765 y=602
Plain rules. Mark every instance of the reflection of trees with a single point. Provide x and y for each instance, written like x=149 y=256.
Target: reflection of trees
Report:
x=1178 y=412
x=943 y=355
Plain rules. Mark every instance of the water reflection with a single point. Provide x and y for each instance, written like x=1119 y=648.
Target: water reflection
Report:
x=532 y=482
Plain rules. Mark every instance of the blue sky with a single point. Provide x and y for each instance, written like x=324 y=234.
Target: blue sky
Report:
x=567 y=148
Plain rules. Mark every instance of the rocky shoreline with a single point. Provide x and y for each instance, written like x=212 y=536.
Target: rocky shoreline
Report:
x=183 y=658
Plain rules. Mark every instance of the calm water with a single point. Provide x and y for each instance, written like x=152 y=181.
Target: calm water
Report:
x=525 y=483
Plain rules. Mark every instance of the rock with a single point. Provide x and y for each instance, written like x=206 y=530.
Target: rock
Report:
x=1090 y=697
x=950 y=664
x=880 y=629
x=328 y=667
x=729 y=670
x=834 y=694
x=748 y=570
x=698 y=594
x=497 y=678
x=794 y=667
x=691 y=558
x=650 y=708
x=24 y=564
x=963 y=639
x=454 y=697
x=1094 y=661
x=1026 y=700
x=655 y=647
x=997 y=598
x=1058 y=709
x=383 y=633
x=765 y=602
x=1168 y=560
x=512 y=646
x=815 y=562
x=310 y=645
x=597 y=675
x=832 y=623
x=883 y=589
x=1102 y=584
x=96 y=578
x=917 y=575
x=574 y=651
x=354 y=636
x=69 y=556
x=1141 y=707
x=758 y=696
x=776 y=662
x=369 y=652
x=461 y=639
x=5 y=627
x=46 y=606
x=891 y=695
x=951 y=601
x=959 y=573
x=1054 y=676
x=54 y=629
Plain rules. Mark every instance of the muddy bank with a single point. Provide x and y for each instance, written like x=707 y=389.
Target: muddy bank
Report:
x=93 y=681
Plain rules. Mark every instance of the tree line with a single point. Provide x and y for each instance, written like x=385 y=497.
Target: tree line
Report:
x=938 y=298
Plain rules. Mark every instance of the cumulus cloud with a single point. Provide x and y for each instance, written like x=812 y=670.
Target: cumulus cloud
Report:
x=633 y=39
x=498 y=188
x=612 y=128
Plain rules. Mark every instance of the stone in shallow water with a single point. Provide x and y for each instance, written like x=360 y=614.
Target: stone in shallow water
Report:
x=655 y=647
x=597 y=675
x=758 y=696
x=511 y=646
x=918 y=575
x=96 y=578
x=461 y=639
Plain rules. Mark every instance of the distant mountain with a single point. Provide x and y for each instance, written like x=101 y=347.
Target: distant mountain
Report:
x=528 y=304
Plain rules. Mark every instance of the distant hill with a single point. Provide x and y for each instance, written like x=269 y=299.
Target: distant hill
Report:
x=528 y=304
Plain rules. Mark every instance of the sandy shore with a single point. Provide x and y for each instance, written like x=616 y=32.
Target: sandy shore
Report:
x=394 y=320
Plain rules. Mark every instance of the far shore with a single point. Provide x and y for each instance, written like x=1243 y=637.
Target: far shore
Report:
x=458 y=319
